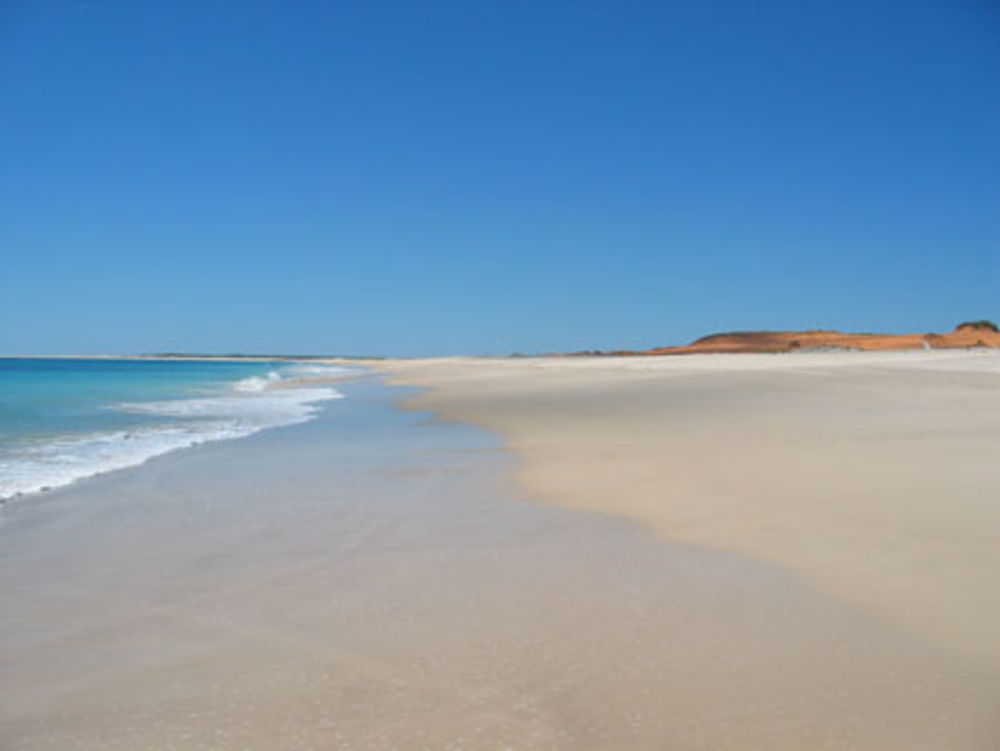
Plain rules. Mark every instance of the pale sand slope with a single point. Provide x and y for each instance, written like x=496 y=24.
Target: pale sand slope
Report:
x=876 y=476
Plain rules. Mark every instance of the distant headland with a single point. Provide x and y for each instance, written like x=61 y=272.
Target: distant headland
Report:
x=965 y=335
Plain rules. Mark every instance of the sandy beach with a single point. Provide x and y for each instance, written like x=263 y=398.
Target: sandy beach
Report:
x=872 y=475
x=763 y=561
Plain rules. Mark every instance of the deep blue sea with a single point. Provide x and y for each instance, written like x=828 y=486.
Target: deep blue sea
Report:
x=65 y=419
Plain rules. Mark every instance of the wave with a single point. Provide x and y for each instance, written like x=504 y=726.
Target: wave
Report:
x=249 y=407
x=295 y=373
x=257 y=383
x=55 y=463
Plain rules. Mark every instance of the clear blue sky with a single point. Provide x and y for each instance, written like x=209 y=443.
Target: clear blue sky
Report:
x=442 y=177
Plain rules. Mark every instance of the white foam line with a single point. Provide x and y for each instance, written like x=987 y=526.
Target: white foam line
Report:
x=60 y=462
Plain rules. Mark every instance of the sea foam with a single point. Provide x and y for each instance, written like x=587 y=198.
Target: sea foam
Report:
x=257 y=383
x=247 y=407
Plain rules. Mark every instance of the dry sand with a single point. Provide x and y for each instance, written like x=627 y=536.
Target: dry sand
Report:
x=875 y=476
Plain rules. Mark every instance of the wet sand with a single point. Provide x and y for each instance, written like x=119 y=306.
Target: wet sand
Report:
x=374 y=580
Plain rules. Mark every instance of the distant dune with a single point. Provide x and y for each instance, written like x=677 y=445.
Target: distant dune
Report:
x=971 y=334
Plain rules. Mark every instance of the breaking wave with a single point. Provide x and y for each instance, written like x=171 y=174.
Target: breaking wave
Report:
x=246 y=407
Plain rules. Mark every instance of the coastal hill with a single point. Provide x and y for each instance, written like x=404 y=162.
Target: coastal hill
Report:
x=969 y=334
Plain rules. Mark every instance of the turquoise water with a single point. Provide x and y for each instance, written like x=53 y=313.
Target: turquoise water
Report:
x=65 y=419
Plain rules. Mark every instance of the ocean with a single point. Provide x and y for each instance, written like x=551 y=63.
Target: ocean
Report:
x=62 y=420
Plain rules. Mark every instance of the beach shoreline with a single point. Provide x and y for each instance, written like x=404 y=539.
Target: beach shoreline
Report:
x=375 y=578
x=870 y=474
x=71 y=418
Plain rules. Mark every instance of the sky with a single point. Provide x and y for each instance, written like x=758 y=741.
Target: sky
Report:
x=426 y=178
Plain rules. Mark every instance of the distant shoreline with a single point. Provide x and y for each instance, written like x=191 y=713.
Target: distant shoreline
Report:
x=981 y=334
x=197 y=358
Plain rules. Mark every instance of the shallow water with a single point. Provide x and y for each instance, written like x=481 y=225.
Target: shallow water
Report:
x=62 y=420
x=370 y=580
